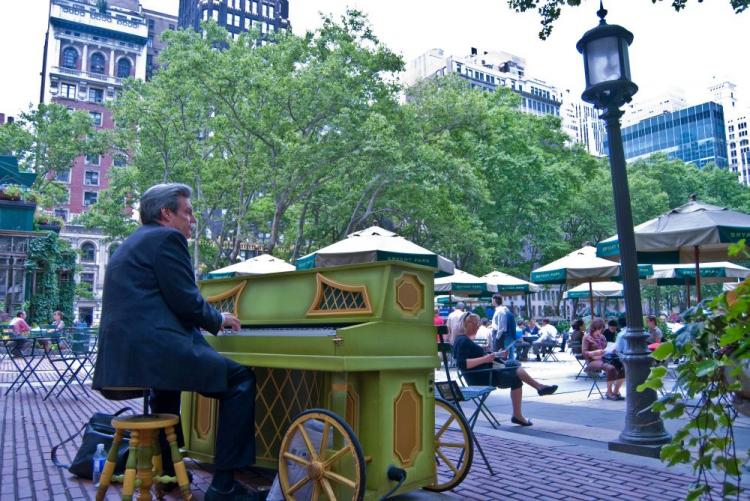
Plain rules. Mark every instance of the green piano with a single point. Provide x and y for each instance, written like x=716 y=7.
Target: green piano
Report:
x=344 y=359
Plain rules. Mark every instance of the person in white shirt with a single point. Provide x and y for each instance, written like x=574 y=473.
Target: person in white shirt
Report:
x=498 y=322
x=453 y=322
x=547 y=339
x=484 y=333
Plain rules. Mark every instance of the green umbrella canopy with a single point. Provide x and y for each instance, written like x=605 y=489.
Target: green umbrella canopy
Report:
x=674 y=236
x=599 y=289
x=508 y=284
x=371 y=245
x=258 y=265
x=464 y=283
x=581 y=266
x=680 y=274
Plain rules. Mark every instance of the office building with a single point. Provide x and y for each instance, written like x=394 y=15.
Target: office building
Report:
x=738 y=143
x=237 y=16
x=491 y=70
x=694 y=134
x=158 y=23
x=488 y=71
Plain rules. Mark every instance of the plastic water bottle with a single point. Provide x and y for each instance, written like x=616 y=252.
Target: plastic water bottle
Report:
x=100 y=456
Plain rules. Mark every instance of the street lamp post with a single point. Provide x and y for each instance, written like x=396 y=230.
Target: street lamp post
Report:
x=608 y=86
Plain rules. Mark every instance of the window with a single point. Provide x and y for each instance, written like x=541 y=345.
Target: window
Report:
x=113 y=248
x=70 y=58
x=237 y=21
x=123 y=68
x=97 y=64
x=63 y=176
x=171 y=27
x=270 y=11
x=96 y=95
x=215 y=15
x=93 y=159
x=88 y=255
x=150 y=24
x=91 y=177
x=62 y=214
x=96 y=118
x=68 y=91
x=119 y=160
x=89 y=198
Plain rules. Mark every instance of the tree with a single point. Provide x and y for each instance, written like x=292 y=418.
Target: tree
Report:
x=550 y=10
x=46 y=140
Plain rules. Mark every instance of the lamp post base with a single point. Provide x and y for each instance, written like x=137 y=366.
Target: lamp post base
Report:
x=651 y=451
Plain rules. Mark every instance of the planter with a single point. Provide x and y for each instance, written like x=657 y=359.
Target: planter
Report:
x=17 y=215
x=49 y=227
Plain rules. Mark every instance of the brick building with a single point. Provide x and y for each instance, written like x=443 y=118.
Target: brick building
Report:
x=93 y=46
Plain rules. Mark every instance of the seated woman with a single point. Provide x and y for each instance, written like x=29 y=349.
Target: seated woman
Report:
x=577 y=331
x=474 y=364
x=593 y=349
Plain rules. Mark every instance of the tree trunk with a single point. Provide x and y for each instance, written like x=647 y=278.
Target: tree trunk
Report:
x=300 y=231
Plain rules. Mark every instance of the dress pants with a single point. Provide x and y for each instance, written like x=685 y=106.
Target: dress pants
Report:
x=235 y=435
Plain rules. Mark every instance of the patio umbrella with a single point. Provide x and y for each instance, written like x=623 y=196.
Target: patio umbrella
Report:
x=374 y=244
x=687 y=234
x=465 y=284
x=581 y=266
x=510 y=285
x=679 y=274
x=258 y=265
x=599 y=289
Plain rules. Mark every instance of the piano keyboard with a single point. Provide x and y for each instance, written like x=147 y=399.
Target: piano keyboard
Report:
x=283 y=332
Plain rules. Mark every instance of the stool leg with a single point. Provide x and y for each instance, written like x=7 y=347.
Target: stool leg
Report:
x=109 y=466
x=145 y=475
x=179 y=466
x=157 y=466
x=128 y=485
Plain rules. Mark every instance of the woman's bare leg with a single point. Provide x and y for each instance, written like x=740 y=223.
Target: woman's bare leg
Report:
x=526 y=378
x=515 y=398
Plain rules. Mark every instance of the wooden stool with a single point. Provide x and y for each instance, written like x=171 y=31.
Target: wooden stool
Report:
x=144 y=466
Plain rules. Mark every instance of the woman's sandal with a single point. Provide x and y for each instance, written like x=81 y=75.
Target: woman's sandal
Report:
x=519 y=422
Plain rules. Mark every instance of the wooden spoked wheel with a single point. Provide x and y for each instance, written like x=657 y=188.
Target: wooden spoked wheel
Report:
x=454 y=449
x=321 y=458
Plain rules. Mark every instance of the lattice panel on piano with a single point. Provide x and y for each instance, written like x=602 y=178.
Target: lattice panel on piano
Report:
x=334 y=298
x=281 y=395
x=228 y=300
x=337 y=299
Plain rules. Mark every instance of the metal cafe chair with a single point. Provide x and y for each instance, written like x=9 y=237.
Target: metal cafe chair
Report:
x=451 y=392
x=26 y=358
x=77 y=352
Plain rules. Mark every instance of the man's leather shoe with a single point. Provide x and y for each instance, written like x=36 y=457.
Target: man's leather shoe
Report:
x=238 y=493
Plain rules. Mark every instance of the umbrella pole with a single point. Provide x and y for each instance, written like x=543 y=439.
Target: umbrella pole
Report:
x=687 y=286
x=591 y=299
x=697 y=254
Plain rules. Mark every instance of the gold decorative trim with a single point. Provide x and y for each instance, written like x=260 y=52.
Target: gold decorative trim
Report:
x=334 y=298
x=407 y=424
x=233 y=293
x=203 y=416
x=409 y=293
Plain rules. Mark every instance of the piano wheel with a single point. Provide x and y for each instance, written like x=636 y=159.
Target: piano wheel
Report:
x=321 y=458
x=454 y=449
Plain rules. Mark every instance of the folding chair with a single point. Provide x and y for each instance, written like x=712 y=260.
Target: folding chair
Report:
x=26 y=360
x=550 y=355
x=77 y=352
x=452 y=393
x=595 y=375
x=582 y=363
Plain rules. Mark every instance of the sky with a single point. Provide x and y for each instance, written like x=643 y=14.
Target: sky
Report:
x=671 y=50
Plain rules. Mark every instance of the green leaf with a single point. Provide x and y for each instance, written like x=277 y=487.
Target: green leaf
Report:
x=658 y=372
x=675 y=412
x=731 y=335
x=664 y=351
x=706 y=367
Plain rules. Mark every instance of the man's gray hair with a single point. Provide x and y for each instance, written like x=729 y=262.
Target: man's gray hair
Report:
x=162 y=196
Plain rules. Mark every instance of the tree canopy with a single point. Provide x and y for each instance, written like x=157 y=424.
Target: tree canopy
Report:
x=550 y=10
x=297 y=143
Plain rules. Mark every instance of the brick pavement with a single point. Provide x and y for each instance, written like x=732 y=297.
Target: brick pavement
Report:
x=526 y=468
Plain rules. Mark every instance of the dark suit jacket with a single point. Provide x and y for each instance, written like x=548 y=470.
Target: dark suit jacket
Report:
x=151 y=314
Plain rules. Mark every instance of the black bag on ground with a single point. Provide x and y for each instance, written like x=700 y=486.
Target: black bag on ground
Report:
x=98 y=430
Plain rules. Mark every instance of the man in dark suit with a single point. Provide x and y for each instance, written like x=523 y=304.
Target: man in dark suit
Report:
x=149 y=335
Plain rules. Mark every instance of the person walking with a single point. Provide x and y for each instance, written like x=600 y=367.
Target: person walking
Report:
x=150 y=335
